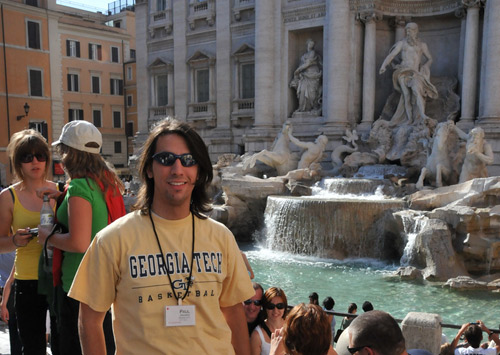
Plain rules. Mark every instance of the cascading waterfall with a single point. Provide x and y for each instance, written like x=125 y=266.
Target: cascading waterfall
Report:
x=327 y=225
x=412 y=226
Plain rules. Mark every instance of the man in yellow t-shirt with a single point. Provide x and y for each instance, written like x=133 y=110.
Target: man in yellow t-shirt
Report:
x=174 y=278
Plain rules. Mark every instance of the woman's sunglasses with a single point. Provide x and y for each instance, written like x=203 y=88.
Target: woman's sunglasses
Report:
x=28 y=158
x=271 y=306
x=168 y=159
x=255 y=302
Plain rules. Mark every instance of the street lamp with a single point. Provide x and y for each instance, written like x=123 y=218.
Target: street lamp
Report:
x=26 y=110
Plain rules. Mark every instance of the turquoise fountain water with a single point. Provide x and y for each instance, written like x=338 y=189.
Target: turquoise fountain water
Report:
x=357 y=280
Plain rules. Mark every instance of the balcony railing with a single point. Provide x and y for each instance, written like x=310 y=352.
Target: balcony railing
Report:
x=202 y=114
x=161 y=111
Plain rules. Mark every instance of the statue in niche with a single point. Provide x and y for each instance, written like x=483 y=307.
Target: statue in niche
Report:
x=478 y=155
x=307 y=81
x=279 y=157
x=313 y=151
x=411 y=78
x=441 y=163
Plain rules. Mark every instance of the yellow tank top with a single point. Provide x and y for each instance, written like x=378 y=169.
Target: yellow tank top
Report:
x=27 y=257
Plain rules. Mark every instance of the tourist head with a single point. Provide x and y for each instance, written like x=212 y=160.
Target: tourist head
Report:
x=328 y=303
x=253 y=305
x=313 y=298
x=275 y=303
x=377 y=331
x=367 y=306
x=447 y=349
x=353 y=308
x=29 y=154
x=79 y=146
x=200 y=202
x=307 y=330
x=474 y=334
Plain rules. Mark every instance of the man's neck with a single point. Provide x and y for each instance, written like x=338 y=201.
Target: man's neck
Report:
x=171 y=213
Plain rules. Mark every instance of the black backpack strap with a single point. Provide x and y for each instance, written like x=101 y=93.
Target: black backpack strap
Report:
x=263 y=325
x=12 y=194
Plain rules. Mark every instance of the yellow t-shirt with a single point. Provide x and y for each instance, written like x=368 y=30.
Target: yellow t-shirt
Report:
x=27 y=257
x=123 y=267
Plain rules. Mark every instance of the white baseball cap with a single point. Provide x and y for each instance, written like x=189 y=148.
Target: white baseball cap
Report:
x=81 y=135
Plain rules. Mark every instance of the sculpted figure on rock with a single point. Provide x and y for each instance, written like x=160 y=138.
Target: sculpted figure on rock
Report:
x=307 y=80
x=279 y=157
x=411 y=77
x=478 y=155
x=313 y=150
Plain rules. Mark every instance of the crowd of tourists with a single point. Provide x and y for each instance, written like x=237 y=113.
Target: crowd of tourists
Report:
x=175 y=280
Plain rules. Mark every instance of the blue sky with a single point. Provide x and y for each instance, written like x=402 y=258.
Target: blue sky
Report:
x=89 y=5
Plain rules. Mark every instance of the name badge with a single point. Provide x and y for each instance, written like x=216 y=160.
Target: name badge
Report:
x=180 y=316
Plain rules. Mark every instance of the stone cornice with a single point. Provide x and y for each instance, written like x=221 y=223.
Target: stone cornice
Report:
x=304 y=13
x=473 y=3
x=406 y=7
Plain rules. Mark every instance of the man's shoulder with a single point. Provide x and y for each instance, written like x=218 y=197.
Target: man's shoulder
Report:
x=123 y=223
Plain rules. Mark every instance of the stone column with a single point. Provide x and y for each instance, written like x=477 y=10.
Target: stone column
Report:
x=490 y=83
x=142 y=75
x=179 y=16
x=469 y=77
x=369 y=70
x=223 y=63
x=264 y=63
x=337 y=67
x=400 y=23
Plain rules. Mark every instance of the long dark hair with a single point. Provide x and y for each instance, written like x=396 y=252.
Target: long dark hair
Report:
x=200 y=202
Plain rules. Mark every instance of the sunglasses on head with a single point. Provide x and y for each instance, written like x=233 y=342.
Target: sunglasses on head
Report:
x=168 y=159
x=357 y=348
x=255 y=302
x=271 y=306
x=28 y=158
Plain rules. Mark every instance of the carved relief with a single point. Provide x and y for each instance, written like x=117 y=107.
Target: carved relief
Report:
x=399 y=7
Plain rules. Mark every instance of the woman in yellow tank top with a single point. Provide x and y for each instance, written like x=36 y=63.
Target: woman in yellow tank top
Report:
x=20 y=211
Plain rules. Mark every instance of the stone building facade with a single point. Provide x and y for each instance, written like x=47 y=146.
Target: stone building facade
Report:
x=226 y=66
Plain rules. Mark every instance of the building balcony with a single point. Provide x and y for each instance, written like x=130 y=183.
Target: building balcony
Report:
x=243 y=112
x=160 y=20
x=242 y=5
x=201 y=10
x=160 y=112
x=202 y=114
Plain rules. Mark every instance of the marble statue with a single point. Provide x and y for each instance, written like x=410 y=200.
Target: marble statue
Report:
x=341 y=150
x=313 y=150
x=307 y=81
x=478 y=154
x=411 y=77
x=439 y=164
x=279 y=157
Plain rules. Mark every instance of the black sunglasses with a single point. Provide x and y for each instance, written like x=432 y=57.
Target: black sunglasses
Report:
x=357 y=348
x=28 y=158
x=168 y=159
x=271 y=306
x=255 y=302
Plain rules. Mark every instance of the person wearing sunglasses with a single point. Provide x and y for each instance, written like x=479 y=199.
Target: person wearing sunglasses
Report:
x=275 y=306
x=175 y=277
x=253 y=308
x=306 y=331
x=19 y=211
x=83 y=210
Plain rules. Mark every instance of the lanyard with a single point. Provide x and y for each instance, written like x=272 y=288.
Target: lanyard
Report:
x=179 y=300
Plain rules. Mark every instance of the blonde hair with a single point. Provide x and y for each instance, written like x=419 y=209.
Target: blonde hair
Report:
x=25 y=142
x=79 y=164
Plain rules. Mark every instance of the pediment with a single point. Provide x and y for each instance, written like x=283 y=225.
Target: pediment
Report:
x=245 y=49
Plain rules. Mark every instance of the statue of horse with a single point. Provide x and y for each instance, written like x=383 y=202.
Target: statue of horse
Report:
x=279 y=157
x=439 y=164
